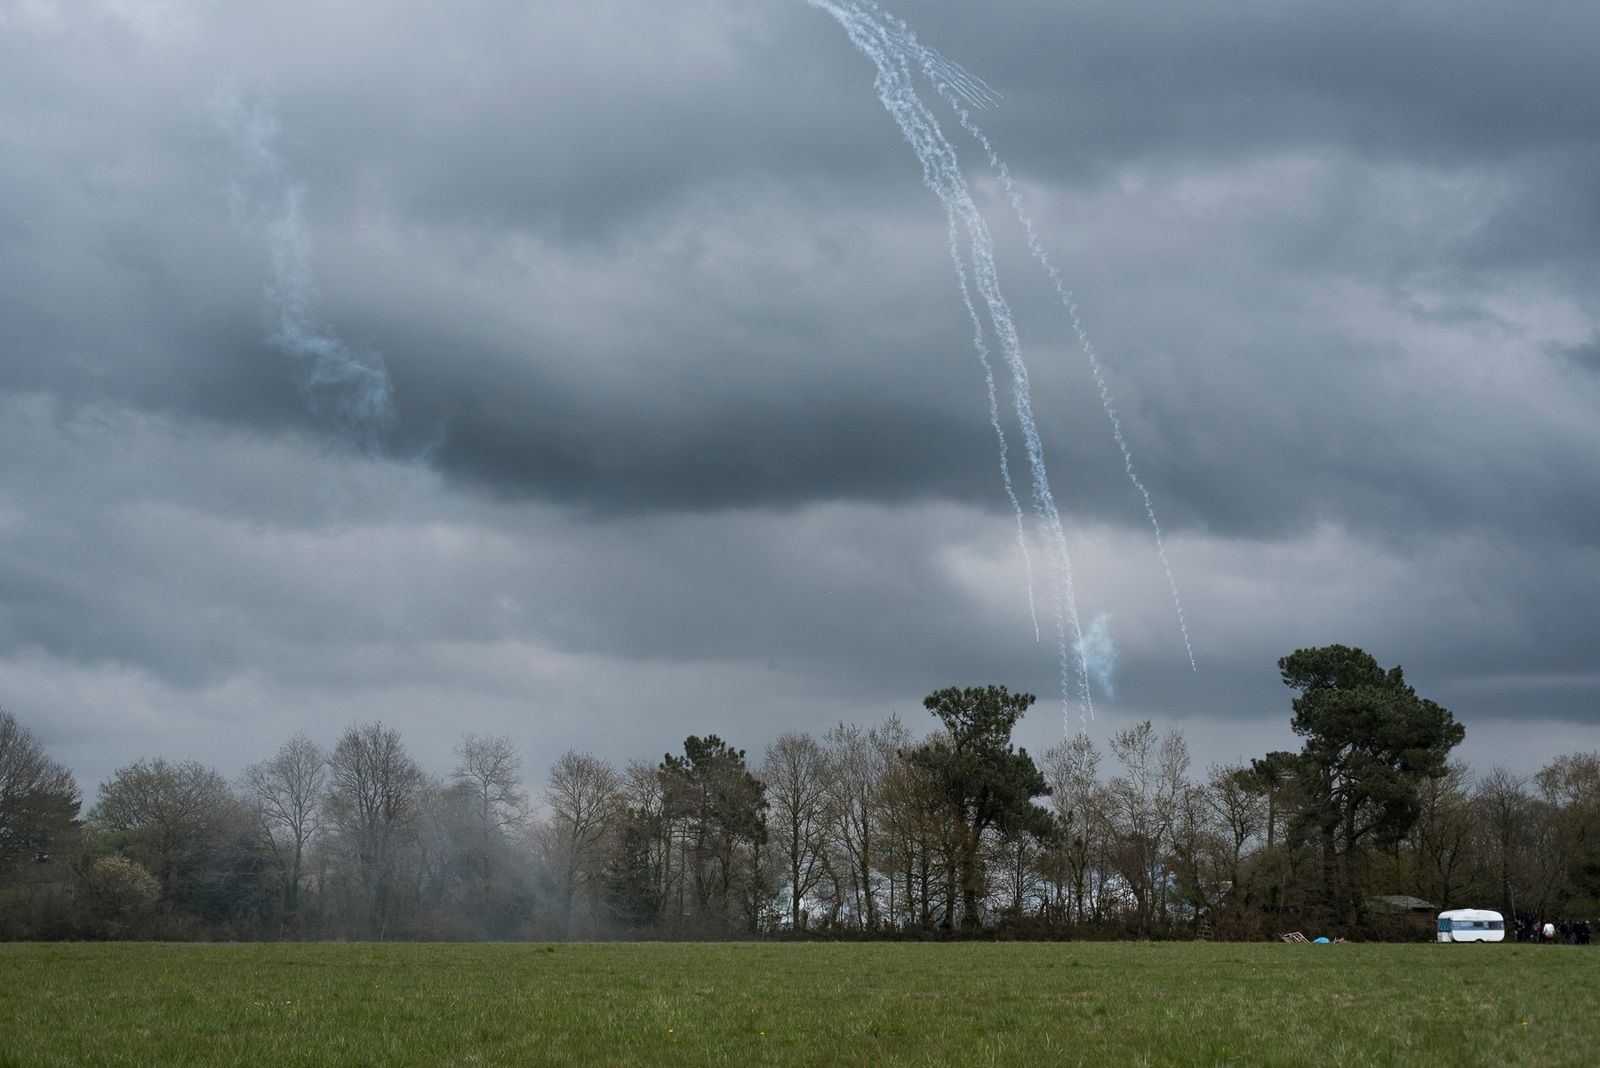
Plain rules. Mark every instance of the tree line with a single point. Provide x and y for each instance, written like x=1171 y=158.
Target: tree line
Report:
x=861 y=832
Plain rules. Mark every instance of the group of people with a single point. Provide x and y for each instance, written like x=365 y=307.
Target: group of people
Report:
x=1567 y=932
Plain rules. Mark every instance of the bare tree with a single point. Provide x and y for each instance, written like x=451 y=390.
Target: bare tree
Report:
x=1198 y=877
x=1079 y=804
x=921 y=835
x=641 y=878
x=1145 y=804
x=284 y=795
x=1440 y=842
x=898 y=816
x=1501 y=804
x=374 y=792
x=855 y=766
x=796 y=774
x=489 y=772
x=1569 y=787
x=491 y=769
x=584 y=795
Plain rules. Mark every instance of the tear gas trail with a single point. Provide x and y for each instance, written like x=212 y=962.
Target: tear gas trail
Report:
x=886 y=47
x=347 y=384
x=939 y=70
x=982 y=348
x=950 y=82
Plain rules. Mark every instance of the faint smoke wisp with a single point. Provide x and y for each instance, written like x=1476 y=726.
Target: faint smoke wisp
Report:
x=1098 y=651
x=346 y=384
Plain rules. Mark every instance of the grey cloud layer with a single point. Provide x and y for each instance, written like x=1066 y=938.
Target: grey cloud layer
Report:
x=662 y=286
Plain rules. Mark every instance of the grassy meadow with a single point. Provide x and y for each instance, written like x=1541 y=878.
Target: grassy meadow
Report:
x=735 y=1004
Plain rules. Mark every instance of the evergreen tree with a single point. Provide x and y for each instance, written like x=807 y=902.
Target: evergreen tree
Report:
x=721 y=807
x=1370 y=744
x=986 y=783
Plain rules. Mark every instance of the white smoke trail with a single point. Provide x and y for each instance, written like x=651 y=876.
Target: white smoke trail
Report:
x=982 y=348
x=952 y=84
x=348 y=384
x=941 y=172
x=969 y=86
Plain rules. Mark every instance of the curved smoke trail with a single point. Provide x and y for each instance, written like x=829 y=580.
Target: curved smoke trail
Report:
x=347 y=384
x=886 y=45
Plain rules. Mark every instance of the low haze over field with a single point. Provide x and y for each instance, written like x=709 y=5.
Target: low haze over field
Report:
x=595 y=373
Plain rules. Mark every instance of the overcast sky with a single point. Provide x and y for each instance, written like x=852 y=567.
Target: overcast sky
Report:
x=685 y=431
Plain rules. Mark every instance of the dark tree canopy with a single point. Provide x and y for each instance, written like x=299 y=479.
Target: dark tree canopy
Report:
x=722 y=807
x=711 y=783
x=987 y=783
x=863 y=831
x=171 y=818
x=1370 y=742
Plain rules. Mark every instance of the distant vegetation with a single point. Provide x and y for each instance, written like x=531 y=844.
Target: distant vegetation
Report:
x=863 y=832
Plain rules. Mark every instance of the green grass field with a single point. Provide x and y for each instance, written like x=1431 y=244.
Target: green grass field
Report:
x=954 y=1004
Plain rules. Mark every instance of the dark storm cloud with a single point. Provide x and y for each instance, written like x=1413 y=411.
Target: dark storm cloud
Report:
x=612 y=145
x=231 y=550
x=1415 y=82
x=124 y=280
x=569 y=121
x=1585 y=355
x=662 y=285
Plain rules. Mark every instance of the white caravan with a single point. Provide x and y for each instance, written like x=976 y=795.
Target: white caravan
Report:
x=1471 y=925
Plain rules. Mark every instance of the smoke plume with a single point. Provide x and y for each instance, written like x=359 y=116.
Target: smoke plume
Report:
x=346 y=384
